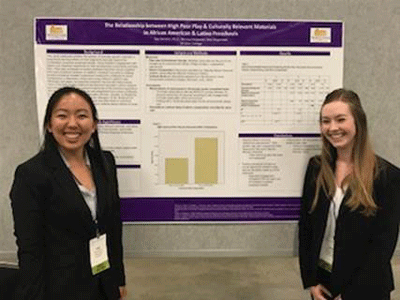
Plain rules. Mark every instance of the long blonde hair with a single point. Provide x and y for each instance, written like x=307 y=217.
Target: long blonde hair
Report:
x=360 y=181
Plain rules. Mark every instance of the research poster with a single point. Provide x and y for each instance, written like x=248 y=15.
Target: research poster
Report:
x=209 y=120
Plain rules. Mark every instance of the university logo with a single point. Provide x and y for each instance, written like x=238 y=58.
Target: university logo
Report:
x=56 y=32
x=320 y=35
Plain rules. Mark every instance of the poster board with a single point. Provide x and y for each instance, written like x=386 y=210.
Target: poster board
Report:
x=209 y=120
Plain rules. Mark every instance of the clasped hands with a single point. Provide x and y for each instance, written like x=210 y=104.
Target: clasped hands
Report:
x=319 y=292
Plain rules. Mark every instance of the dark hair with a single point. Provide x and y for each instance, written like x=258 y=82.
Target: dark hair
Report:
x=50 y=142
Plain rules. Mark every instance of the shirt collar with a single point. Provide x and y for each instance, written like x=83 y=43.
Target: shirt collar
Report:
x=85 y=156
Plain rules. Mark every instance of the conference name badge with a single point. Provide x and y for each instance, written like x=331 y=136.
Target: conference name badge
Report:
x=98 y=254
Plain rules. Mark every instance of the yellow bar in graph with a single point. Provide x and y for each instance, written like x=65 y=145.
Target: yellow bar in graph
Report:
x=206 y=160
x=176 y=170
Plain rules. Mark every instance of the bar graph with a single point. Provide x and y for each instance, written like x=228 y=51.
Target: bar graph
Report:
x=176 y=170
x=206 y=160
x=191 y=157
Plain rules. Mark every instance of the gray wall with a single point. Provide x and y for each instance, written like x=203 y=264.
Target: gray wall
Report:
x=372 y=68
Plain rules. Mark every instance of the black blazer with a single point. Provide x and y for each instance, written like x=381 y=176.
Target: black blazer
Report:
x=363 y=245
x=53 y=226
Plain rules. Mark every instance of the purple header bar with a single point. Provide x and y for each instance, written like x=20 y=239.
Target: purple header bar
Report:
x=286 y=53
x=169 y=32
x=128 y=166
x=91 y=51
x=279 y=135
x=119 y=121
x=160 y=52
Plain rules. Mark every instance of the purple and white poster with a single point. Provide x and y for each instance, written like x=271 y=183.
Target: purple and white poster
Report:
x=209 y=120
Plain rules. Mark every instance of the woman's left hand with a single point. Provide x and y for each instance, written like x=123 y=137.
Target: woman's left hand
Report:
x=123 y=292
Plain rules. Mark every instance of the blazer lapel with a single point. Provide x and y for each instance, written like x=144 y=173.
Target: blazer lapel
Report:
x=101 y=185
x=72 y=194
x=343 y=207
x=321 y=217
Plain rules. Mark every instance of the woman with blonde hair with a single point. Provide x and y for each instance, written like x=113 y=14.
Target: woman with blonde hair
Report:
x=350 y=211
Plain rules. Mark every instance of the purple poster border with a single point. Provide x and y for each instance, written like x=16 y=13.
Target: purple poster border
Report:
x=180 y=32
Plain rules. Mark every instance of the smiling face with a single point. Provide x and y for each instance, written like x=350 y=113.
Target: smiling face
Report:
x=72 y=123
x=338 y=125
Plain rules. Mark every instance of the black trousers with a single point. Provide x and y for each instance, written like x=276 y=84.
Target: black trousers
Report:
x=366 y=295
x=98 y=292
x=8 y=282
x=324 y=278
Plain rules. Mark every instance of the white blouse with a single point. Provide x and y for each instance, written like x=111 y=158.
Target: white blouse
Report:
x=328 y=242
x=89 y=195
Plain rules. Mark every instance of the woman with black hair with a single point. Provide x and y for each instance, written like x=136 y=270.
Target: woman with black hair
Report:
x=66 y=209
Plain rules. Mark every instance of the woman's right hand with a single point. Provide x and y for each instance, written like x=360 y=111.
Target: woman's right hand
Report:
x=319 y=292
x=123 y=292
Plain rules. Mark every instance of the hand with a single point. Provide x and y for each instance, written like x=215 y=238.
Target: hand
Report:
x=123 y=292
x=319 y=292
x=338 y=297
